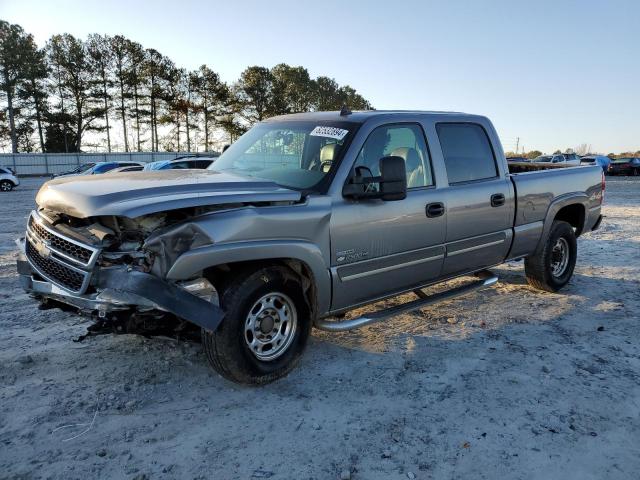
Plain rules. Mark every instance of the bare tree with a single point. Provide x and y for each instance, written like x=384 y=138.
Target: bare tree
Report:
x=581 y=149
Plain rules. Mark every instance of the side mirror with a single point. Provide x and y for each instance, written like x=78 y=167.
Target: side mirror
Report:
x=393 y=184
x=389 y=186
x=225 y=148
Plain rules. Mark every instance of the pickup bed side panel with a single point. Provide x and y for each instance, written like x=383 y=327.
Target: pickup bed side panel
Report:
x=542 y=194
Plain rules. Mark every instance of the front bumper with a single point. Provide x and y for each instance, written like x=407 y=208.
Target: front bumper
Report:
x=119 y=289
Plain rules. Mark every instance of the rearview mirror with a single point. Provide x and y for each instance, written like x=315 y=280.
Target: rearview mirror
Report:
x=389 y=186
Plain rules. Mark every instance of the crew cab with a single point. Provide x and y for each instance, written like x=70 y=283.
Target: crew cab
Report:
x=304 y=218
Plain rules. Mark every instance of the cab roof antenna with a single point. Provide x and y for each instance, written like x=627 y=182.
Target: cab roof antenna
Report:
x=344 y=111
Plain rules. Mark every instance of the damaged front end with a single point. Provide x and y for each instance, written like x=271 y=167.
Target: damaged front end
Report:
x=111 y=265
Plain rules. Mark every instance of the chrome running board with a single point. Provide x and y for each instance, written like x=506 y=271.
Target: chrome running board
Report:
x=486 y=279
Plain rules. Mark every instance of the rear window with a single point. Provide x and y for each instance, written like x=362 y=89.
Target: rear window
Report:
x=467 y=152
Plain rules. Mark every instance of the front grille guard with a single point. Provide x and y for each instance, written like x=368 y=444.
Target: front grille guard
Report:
x=60 y=257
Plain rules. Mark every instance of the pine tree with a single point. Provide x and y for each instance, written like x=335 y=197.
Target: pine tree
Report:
x=75 y=81
x=14 y=45
x=100 y=59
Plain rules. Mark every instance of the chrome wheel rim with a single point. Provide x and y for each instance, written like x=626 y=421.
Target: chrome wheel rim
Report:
x=5 y=186
x=270 y=326
x=559 y=257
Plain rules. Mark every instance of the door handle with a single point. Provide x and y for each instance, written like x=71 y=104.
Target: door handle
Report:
x=435 y=209
x=497 y=199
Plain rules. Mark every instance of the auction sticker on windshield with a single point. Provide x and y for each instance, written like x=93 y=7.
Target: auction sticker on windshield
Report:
x=329 y=132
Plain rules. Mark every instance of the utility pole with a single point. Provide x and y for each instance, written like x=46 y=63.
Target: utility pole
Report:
x=517 y=143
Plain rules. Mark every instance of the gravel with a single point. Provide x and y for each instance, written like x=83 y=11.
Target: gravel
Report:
x=524 y=384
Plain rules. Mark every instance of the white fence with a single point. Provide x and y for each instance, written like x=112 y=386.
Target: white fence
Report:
x=48 y=163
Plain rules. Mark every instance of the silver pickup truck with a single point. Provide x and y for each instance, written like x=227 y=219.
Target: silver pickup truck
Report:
x=304 y=218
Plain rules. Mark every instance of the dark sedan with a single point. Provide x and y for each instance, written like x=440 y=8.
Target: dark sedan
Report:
x=624 y=166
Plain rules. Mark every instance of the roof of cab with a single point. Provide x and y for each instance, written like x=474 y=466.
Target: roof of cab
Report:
x=359 y=116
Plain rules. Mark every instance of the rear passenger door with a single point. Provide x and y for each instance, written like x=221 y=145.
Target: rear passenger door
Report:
x=479 y=199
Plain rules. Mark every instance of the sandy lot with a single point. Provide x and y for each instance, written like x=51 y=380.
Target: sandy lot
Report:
x=509 y=383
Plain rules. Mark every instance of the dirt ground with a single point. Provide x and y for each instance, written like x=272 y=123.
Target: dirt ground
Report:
x=508 y=383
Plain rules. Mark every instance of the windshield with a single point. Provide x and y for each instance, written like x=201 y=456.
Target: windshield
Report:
x=296 y=154
x=622 y=160
x=543 y=158
x=81 y=168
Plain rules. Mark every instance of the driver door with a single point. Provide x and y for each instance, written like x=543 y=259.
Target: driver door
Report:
x=383 y=247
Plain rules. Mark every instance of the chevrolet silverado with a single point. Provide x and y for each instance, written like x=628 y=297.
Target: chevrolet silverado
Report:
x=304 y=218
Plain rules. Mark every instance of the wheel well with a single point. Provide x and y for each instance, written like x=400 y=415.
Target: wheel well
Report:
x=573 y=215
x=221 y=275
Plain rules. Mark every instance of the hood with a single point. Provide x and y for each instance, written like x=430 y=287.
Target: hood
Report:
x=130 y=194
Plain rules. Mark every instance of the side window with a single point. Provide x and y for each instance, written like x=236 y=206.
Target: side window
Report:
x=108 y=167
x=467 y=152
x=202 y=163
x=179 y=166
x=402 y=140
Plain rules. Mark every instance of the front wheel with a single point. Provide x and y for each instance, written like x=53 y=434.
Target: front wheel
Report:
x=265 y=329
x=551 y=268
x=6 y=186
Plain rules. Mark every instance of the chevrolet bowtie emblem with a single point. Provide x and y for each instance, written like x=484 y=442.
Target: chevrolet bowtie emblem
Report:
x=43 y=248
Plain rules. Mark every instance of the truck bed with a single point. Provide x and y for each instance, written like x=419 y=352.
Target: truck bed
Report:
x=520 y=167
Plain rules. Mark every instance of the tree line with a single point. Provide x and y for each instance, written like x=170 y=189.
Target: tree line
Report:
x=113 y=94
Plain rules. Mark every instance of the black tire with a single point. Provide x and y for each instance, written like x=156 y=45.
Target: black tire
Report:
x=539 y=268
x=6 y=185
x=227 y=350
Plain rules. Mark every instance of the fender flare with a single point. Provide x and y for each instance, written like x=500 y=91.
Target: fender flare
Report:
x=190 y=263
x=558 y=204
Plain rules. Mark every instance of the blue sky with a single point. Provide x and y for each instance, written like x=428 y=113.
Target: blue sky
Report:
x=554 y=73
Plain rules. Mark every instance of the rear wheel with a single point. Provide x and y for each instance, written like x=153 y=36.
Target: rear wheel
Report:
x=552 y=267
x=6 y=185
x=265 y=329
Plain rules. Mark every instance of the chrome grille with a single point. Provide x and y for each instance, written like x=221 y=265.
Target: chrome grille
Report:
x=65 y=247
x=55 y=271
x=77 y=252
x=59 y=259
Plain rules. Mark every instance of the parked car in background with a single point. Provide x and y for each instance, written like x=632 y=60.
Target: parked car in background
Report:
x=98 y=168
x=624 y=166
x=600 y=160
x=76 y=171
x=571 y=158
x=130 y=168
x=518 y=159
x=558 y=158
x=181 y=163
x=8 y=179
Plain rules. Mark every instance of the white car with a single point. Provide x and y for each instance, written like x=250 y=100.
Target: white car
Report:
x=562 y=158
x=8 y=179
